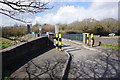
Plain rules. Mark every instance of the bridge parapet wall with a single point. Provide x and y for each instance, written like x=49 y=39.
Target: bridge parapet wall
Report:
x=15 y=54
x=106 y=40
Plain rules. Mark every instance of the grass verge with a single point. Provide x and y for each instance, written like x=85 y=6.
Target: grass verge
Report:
x=6 y=43
x=62 y=31
x=115 y=37
x=111 y=46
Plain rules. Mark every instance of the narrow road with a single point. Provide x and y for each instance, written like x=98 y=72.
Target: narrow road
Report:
x=49 y=65
x=88 y=63
x=85 y=63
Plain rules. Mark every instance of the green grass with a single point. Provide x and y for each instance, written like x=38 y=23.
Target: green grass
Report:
x=6 y=75
x=62 y=31
x=6 y=43
x=115 y=37
x=111 y=46
x=6 y=78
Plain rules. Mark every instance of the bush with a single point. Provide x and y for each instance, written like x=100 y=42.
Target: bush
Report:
x=14 y=31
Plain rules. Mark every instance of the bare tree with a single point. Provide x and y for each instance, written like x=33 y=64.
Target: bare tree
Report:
x=13 y=8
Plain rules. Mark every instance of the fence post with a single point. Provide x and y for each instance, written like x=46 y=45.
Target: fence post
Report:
x=87 y=39
x=56 y=41
x=60 y=42
x=92 y=40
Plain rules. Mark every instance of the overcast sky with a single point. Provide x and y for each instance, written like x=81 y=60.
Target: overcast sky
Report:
x=73 y=10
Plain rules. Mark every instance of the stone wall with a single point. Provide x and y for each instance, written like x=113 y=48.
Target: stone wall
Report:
x=106 y=40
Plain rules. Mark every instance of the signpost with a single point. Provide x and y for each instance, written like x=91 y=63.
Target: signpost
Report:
x=40 y=29
x=56 y=29
x=57 y=34
x=28 y=28
x=30 y=24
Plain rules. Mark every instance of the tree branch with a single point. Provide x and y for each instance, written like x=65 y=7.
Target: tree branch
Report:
x=14 y=18
x=21 y=7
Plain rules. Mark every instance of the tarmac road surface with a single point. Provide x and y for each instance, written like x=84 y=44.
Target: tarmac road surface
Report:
x=91 y=63
x=49 y=65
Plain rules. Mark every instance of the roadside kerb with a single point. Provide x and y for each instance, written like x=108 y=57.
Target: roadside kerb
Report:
x=67 y=66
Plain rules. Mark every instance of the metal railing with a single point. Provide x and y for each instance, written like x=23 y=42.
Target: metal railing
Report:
x=39 y=35
x=76 y=37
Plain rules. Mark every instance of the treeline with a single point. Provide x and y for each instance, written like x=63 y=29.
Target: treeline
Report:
x=15 y=31
x=103 y=27
x=19 y=31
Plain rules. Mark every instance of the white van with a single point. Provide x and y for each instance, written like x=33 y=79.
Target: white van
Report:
x=111 y=34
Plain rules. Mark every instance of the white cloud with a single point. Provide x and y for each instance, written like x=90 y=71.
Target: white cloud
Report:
x=68 y=14
x=85 y=0
x=99 y=10
x=105 y=0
